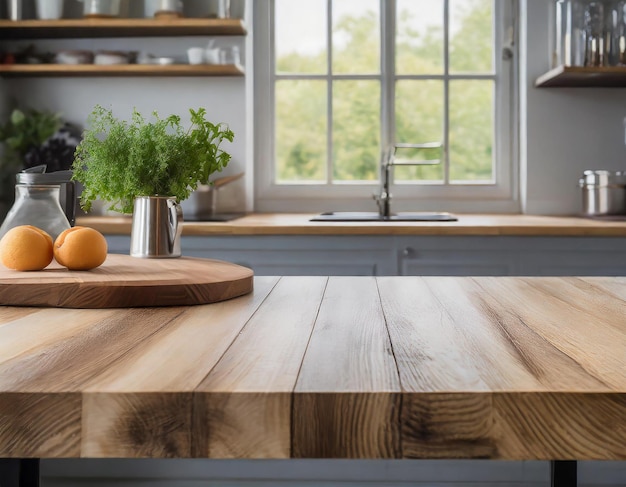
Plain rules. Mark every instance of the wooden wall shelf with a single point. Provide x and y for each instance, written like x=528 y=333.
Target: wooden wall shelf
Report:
x=583 y=77
x=127 y=27
x=127 y=70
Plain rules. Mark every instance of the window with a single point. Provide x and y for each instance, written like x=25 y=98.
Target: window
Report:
x=339 y=82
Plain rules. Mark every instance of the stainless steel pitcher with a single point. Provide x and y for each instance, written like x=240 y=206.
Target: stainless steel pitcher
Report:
x=157 y=227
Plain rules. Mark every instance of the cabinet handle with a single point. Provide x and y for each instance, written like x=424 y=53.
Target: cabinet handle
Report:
x=408 y=251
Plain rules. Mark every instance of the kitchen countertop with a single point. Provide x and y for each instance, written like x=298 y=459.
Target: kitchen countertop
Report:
x=317 y=367
x=299 y=224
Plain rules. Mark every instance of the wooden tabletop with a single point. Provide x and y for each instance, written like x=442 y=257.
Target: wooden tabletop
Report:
x=316 y=367
x=299 y=224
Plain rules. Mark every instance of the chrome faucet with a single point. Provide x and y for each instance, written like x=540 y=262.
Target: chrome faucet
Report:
x=383 y=198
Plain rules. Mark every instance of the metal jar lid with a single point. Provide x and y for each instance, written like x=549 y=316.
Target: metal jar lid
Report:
x=37 y=175
x=603 y=178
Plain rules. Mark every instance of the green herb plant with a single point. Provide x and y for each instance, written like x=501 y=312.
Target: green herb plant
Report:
x=23 y=131
x=118 y=161
x=26 y=129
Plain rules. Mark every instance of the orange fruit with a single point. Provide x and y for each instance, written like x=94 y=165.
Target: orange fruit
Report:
x=26 y=248
x=80 y=248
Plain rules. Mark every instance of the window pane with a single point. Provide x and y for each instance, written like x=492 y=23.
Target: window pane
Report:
x=419 y=119
x=356 y=36
x=300 y=36
x=471 y=130
x=419 y=37
x=471 y=36
x=301 y=131
x=356 y=130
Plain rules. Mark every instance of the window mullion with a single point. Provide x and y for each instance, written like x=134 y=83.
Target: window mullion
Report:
x=446 y=92
x=329 y=94
x=388 y=71
x=272 y=85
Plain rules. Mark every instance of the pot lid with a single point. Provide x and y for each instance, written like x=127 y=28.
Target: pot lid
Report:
x=603 y=177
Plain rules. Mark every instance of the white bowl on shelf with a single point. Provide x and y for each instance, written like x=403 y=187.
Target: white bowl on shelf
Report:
x=109 y=58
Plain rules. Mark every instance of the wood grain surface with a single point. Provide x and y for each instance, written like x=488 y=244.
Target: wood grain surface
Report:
x=467 y=224
x=313 y=367
x=123 y=281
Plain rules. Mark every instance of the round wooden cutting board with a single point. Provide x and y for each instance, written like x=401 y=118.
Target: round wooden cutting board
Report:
x=125 y=282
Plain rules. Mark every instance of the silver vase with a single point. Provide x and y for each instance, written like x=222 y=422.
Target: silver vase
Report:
x=157 y=227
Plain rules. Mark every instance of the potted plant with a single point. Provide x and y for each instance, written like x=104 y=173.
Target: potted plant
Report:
x=147 y=168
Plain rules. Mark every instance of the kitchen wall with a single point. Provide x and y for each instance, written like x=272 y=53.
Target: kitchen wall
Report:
x=224 y=97
x=564 y=131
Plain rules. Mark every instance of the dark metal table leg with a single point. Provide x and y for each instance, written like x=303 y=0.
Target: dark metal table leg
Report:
x=29 y=472
x=19 y=473
x=563 y=473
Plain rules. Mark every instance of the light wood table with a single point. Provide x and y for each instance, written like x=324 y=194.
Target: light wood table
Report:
x=343 y=367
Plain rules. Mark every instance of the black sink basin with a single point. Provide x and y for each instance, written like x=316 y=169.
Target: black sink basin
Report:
x=372 y=216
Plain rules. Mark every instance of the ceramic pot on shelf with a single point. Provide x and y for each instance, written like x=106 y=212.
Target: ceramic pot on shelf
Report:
x=49 y=9
x=101 y=8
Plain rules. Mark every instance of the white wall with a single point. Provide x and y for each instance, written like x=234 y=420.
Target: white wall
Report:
x=568 y=129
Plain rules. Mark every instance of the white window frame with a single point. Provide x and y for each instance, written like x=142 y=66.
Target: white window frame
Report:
x=503 y=196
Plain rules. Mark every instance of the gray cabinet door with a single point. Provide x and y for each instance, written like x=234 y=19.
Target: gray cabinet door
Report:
x=454 y=256
x=299 y=255
x=573 y=256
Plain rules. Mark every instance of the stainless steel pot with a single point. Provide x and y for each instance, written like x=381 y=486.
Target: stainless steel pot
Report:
x=202 y=203
x=604 y=193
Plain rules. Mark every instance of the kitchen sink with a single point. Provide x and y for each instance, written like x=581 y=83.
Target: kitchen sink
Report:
x=374 y=216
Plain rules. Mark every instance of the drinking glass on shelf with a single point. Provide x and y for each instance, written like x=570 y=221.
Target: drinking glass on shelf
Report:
x=219 y=9
x=619 y=36
x=594 y=30
x=568 y=33
x=230 y=55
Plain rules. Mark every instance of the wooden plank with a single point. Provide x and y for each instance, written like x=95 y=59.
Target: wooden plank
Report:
x=141 y=405
x=574 y=337
x=39 y=425
x=125 y=70
x=46 y=328
x=9 y=314
x=243 y=407
x=438 y=353
x=136 y=425
x=456 y=345
x=119 y=27
x=429 y=348
x=613 y=286
x=580 y=324
x=66 y=363
x=347 y=398
x=561 y=426
x=41 y=379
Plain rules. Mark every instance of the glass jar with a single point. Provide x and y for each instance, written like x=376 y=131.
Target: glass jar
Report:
x=594 y=27
x=37 y=205
x=569 y=33
x=616 y=33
